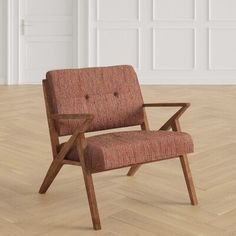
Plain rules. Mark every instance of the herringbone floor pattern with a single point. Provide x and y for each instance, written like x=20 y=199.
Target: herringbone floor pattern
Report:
x=153 y=202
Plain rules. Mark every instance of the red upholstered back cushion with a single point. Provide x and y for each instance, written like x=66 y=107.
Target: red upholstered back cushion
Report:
x=112 y=94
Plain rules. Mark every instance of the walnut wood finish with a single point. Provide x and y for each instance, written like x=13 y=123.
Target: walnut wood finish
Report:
x=81 y=145
x=58 y=157
x=52 y=131
x=173 y=123
x=177 y=115
x=186 y=170
x=145 y=126
x=166 y=104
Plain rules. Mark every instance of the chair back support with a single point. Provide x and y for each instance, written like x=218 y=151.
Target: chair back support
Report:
x=112 y=94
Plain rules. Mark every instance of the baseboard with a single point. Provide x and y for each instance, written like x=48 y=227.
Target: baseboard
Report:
x=143 y=80
x=3 y=81
x=186 y=81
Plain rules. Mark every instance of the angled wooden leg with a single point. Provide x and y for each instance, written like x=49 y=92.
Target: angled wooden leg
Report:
x=188 y=179
x=50 y=176
x=92 y=199
x=88 y=180
x=186 y=169
x=133 y=169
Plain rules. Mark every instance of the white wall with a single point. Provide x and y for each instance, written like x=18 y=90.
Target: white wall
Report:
x=168 y=41
x=3 y=41
x=171 y=41
x=83 y=33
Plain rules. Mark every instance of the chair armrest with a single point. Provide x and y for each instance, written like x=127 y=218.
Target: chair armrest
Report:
x=80 y=130
x=173 y=121
x=166 y=104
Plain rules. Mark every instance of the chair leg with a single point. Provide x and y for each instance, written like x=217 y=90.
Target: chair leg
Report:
x=92 y=199
x=50 y=176
x=188 y=179
x=133 y=169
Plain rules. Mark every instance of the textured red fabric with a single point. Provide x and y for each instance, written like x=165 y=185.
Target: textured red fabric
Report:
x=112 y=94
x=120 y=149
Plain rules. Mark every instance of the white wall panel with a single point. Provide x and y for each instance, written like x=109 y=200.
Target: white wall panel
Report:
x=59 y=49
x=33 y=60
x=173 y=49
x=49 y=27
x=114 y=48
x=180 y=41
x=113 y=10
x=222 y=10
x=47 y=37
x=173 y=10
x=54 y=7
x=222 y=49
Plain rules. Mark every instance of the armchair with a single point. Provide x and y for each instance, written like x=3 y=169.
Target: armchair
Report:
x=92 y=99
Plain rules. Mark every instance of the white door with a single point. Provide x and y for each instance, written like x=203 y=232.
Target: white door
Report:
x=47 y=37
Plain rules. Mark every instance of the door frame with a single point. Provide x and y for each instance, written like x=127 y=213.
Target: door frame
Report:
x=13 y=40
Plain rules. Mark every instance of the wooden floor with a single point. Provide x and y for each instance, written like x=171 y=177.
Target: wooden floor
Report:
x=154 y=202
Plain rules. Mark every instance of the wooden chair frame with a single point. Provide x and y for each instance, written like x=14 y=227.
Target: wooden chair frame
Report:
x=78 y=139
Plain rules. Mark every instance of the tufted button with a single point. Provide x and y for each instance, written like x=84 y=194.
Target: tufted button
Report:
x=116 y=94
x=87 y=96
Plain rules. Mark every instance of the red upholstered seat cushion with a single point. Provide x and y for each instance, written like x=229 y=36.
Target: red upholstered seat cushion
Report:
x=120 y=149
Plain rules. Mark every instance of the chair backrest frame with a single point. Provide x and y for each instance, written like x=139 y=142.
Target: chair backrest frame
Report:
x=54 y=137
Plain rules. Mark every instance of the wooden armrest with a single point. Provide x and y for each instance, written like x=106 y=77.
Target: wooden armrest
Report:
x=72 y=116
x=173 y=119
x=166 y=104
x=80 y=130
